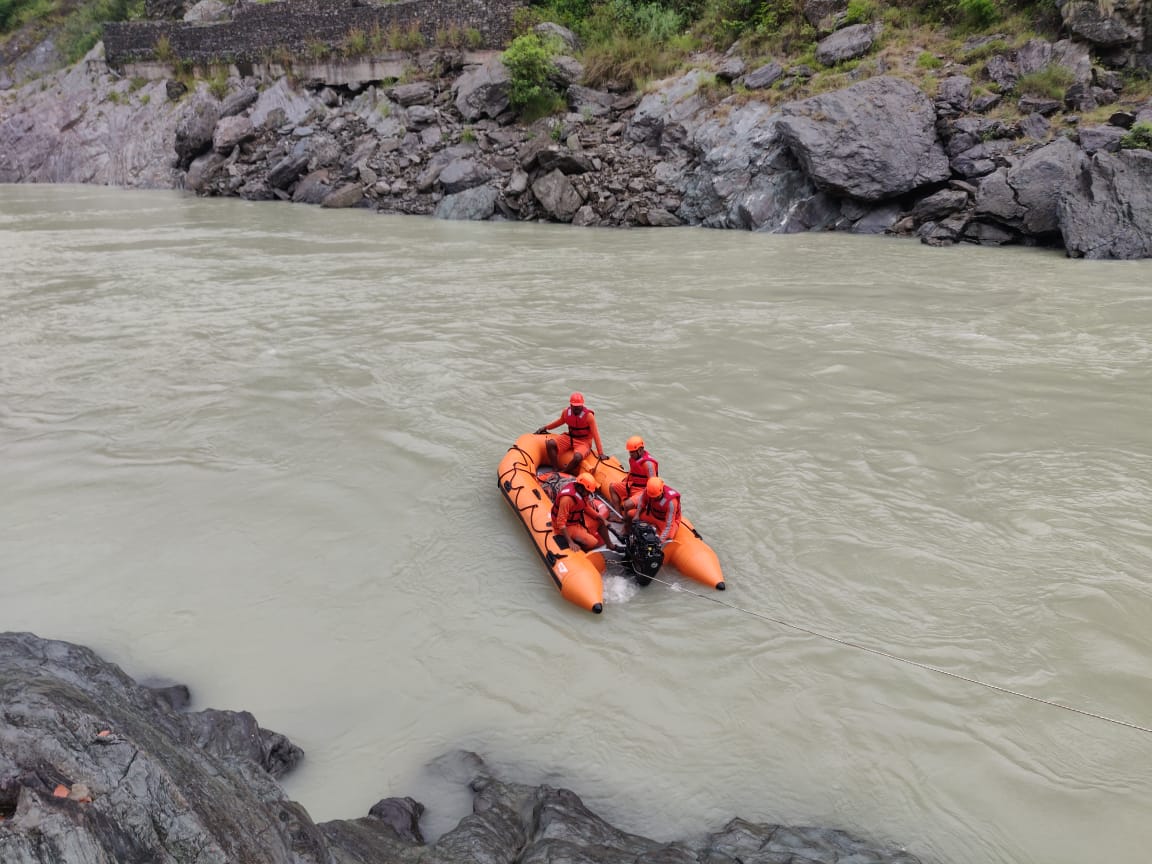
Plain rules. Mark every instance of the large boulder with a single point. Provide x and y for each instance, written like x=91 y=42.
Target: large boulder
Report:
x=746 y=176
x=872 y=141
x=668 y=115
x=557 y=195
x=1106 y=25
x=475 y=204
x=847 y=44
x=483 y=91
x=1106 y=210
x=195 y=129
x=1025 y=195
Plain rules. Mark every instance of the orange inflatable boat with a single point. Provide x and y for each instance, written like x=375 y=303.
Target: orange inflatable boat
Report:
x=579 y=574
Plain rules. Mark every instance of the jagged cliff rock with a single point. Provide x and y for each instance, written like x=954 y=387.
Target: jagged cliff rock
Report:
x=97 y=768
x=874 y=157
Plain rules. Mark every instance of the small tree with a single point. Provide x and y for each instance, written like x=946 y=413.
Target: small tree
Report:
x=529 y=63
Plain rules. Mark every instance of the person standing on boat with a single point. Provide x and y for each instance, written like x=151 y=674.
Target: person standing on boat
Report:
x=659 y=505
x=567 y=451
x=641 y=468
x=573 y=508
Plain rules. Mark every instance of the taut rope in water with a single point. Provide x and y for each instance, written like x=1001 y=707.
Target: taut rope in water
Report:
x=891 y=656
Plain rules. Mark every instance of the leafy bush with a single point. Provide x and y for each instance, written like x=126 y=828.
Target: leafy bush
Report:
x=84 y=26
x=928 y=60
x=1138 y=137
x=529 y=63
x=14 y=13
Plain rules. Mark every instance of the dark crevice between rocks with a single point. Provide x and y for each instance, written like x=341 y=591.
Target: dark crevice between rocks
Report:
x=9 y=798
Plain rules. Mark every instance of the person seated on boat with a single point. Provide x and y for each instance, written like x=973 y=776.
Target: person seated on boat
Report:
x=641 y=467
x=572 y=511
x=567 y=451
x=659 y=505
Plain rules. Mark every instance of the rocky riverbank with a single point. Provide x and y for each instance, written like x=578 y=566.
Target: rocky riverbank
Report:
x=96 y=767
x=709 y=148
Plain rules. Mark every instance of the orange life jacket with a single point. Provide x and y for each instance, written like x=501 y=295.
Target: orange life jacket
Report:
x=658 y=508
x=576 y=513
x=579 y=425
x=638 y=470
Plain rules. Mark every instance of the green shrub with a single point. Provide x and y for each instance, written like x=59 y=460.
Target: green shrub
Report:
x=356 y=43
x=218 y=84
x=859 y=11
x=632 y=60
x=529 y=63
x=84 y=25
x=16 y=13
x=725 y=21
x=983 y=52
x=928 y=60
x=318 y=49
x=410 y=39
x=1049 y=82
x=162 y=48
x=1138 y=137
x=977 y=14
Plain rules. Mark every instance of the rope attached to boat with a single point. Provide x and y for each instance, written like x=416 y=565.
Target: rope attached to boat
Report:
x=888 y=655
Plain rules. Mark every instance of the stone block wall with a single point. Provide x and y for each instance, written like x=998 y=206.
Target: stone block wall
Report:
x=258 y=30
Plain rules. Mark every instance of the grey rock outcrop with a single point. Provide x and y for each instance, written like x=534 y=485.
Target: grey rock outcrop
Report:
x=1026 y=195
x=1106 y=211
x=1103 y=25
x=95 y=767
x=473 y=204
x=763 y=76
x=65 y=129
x=874 y=156
x=873 y=140
x=483 y=91
x=847 y=44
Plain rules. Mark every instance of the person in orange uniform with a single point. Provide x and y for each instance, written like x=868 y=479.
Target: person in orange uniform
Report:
x=573 y=509
x=641 y=467
x=659 y=504
x=567 y=451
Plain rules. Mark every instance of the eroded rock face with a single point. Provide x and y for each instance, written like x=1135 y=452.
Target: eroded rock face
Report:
x=1106 y=211
x=1025 y=195
x=161 y=785
x=97 y=768
x=841 y=160
x=872 y=141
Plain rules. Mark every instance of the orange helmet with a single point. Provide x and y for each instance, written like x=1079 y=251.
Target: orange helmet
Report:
x=634 y=443
x=576 y=399
x=587 y=481
x=655 y=487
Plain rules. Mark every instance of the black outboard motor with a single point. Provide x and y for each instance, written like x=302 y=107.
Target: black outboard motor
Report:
x=644 y=553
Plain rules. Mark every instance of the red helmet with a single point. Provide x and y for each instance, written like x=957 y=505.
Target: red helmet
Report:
x=655 y=487
x=587 y=481
x=634 y=443
x=576 y=399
